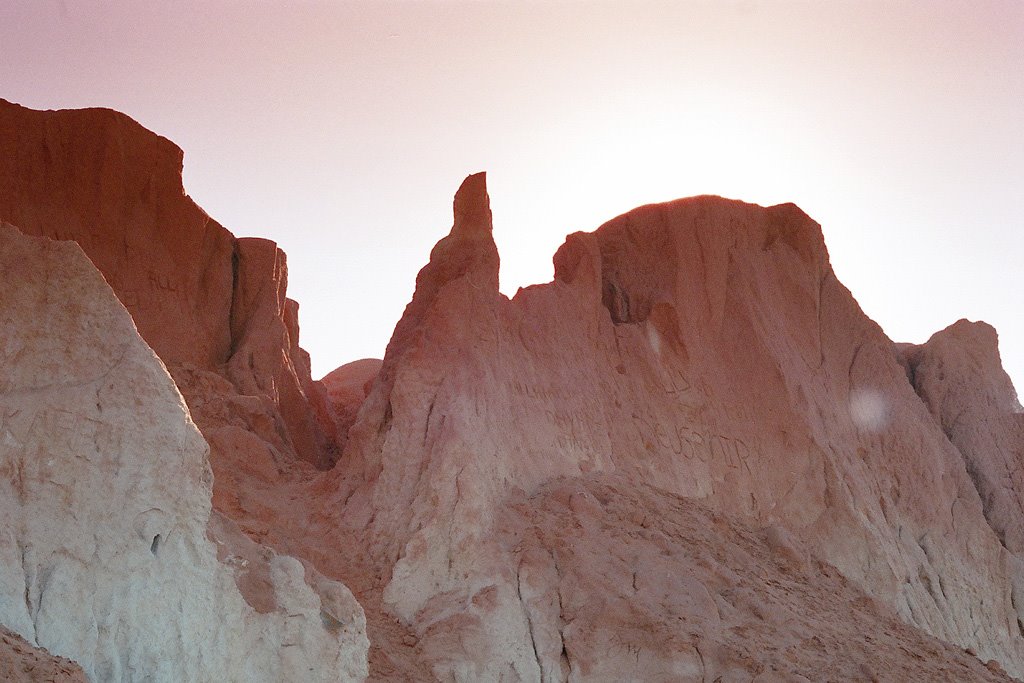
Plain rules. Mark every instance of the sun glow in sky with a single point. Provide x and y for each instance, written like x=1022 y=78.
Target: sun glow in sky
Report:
x=341 y=130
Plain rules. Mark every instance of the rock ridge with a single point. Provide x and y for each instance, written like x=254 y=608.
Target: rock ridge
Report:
x=702 y=346
x=959 y=376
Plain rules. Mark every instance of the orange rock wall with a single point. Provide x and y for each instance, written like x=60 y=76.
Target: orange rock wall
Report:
x=201 y=298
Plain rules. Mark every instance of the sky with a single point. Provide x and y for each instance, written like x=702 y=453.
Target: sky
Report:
x=341 y=130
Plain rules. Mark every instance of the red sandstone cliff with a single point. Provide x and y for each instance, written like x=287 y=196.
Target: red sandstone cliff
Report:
x=212 y=306
x=701 y=347
x=689 y=457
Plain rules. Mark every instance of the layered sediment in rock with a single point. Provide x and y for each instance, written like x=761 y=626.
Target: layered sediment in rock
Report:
x=213 y=307
x=108 y=552
x=702 y=347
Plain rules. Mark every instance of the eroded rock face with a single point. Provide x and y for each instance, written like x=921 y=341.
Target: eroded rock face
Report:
x=617 y=580
x=689 y=457
x=959 y=376
x=206 y=302
x=106 y=556
x=703 y=347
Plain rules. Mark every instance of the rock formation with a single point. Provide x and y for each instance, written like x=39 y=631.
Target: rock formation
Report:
x=213 y=307
x=108 y=552
x=704 y=348
x=959 y=376
x=347 y=388
x=689 y=457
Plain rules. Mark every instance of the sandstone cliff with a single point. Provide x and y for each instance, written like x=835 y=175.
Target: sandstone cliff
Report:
x=689 y=457
x=347 y=388
x=213 y=307
x=704 y=348
x=108 y=552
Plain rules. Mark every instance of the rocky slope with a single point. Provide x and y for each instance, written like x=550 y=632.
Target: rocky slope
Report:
x=623 y=581
x=213 y=307
x=109 y=554
x=22 y=663
x=703 y=347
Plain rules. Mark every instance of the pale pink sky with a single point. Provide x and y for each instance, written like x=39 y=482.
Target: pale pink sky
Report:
x=341 y=130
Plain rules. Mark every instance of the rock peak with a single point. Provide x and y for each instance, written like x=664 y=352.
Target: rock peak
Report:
x=464 y=263
x=456 y=292
x=206 y=302
x=469 y=249
x=472 y=206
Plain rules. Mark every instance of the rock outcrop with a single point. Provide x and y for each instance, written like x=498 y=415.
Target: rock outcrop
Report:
x=213 y=307
x=959 y=376
x=704 y=348
x=109 y=555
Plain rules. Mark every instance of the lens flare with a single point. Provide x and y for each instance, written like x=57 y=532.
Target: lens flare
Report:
x=869 y=409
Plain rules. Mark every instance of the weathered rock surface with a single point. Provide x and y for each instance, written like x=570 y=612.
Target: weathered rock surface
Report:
x=689 y=457
x=704 y=348
x=618 y=581
x=959 y=376
x=108 y=552
x=22 y=663
x=212 y=306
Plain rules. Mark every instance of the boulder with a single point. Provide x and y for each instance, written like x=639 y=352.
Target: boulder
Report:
x=703 y=347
